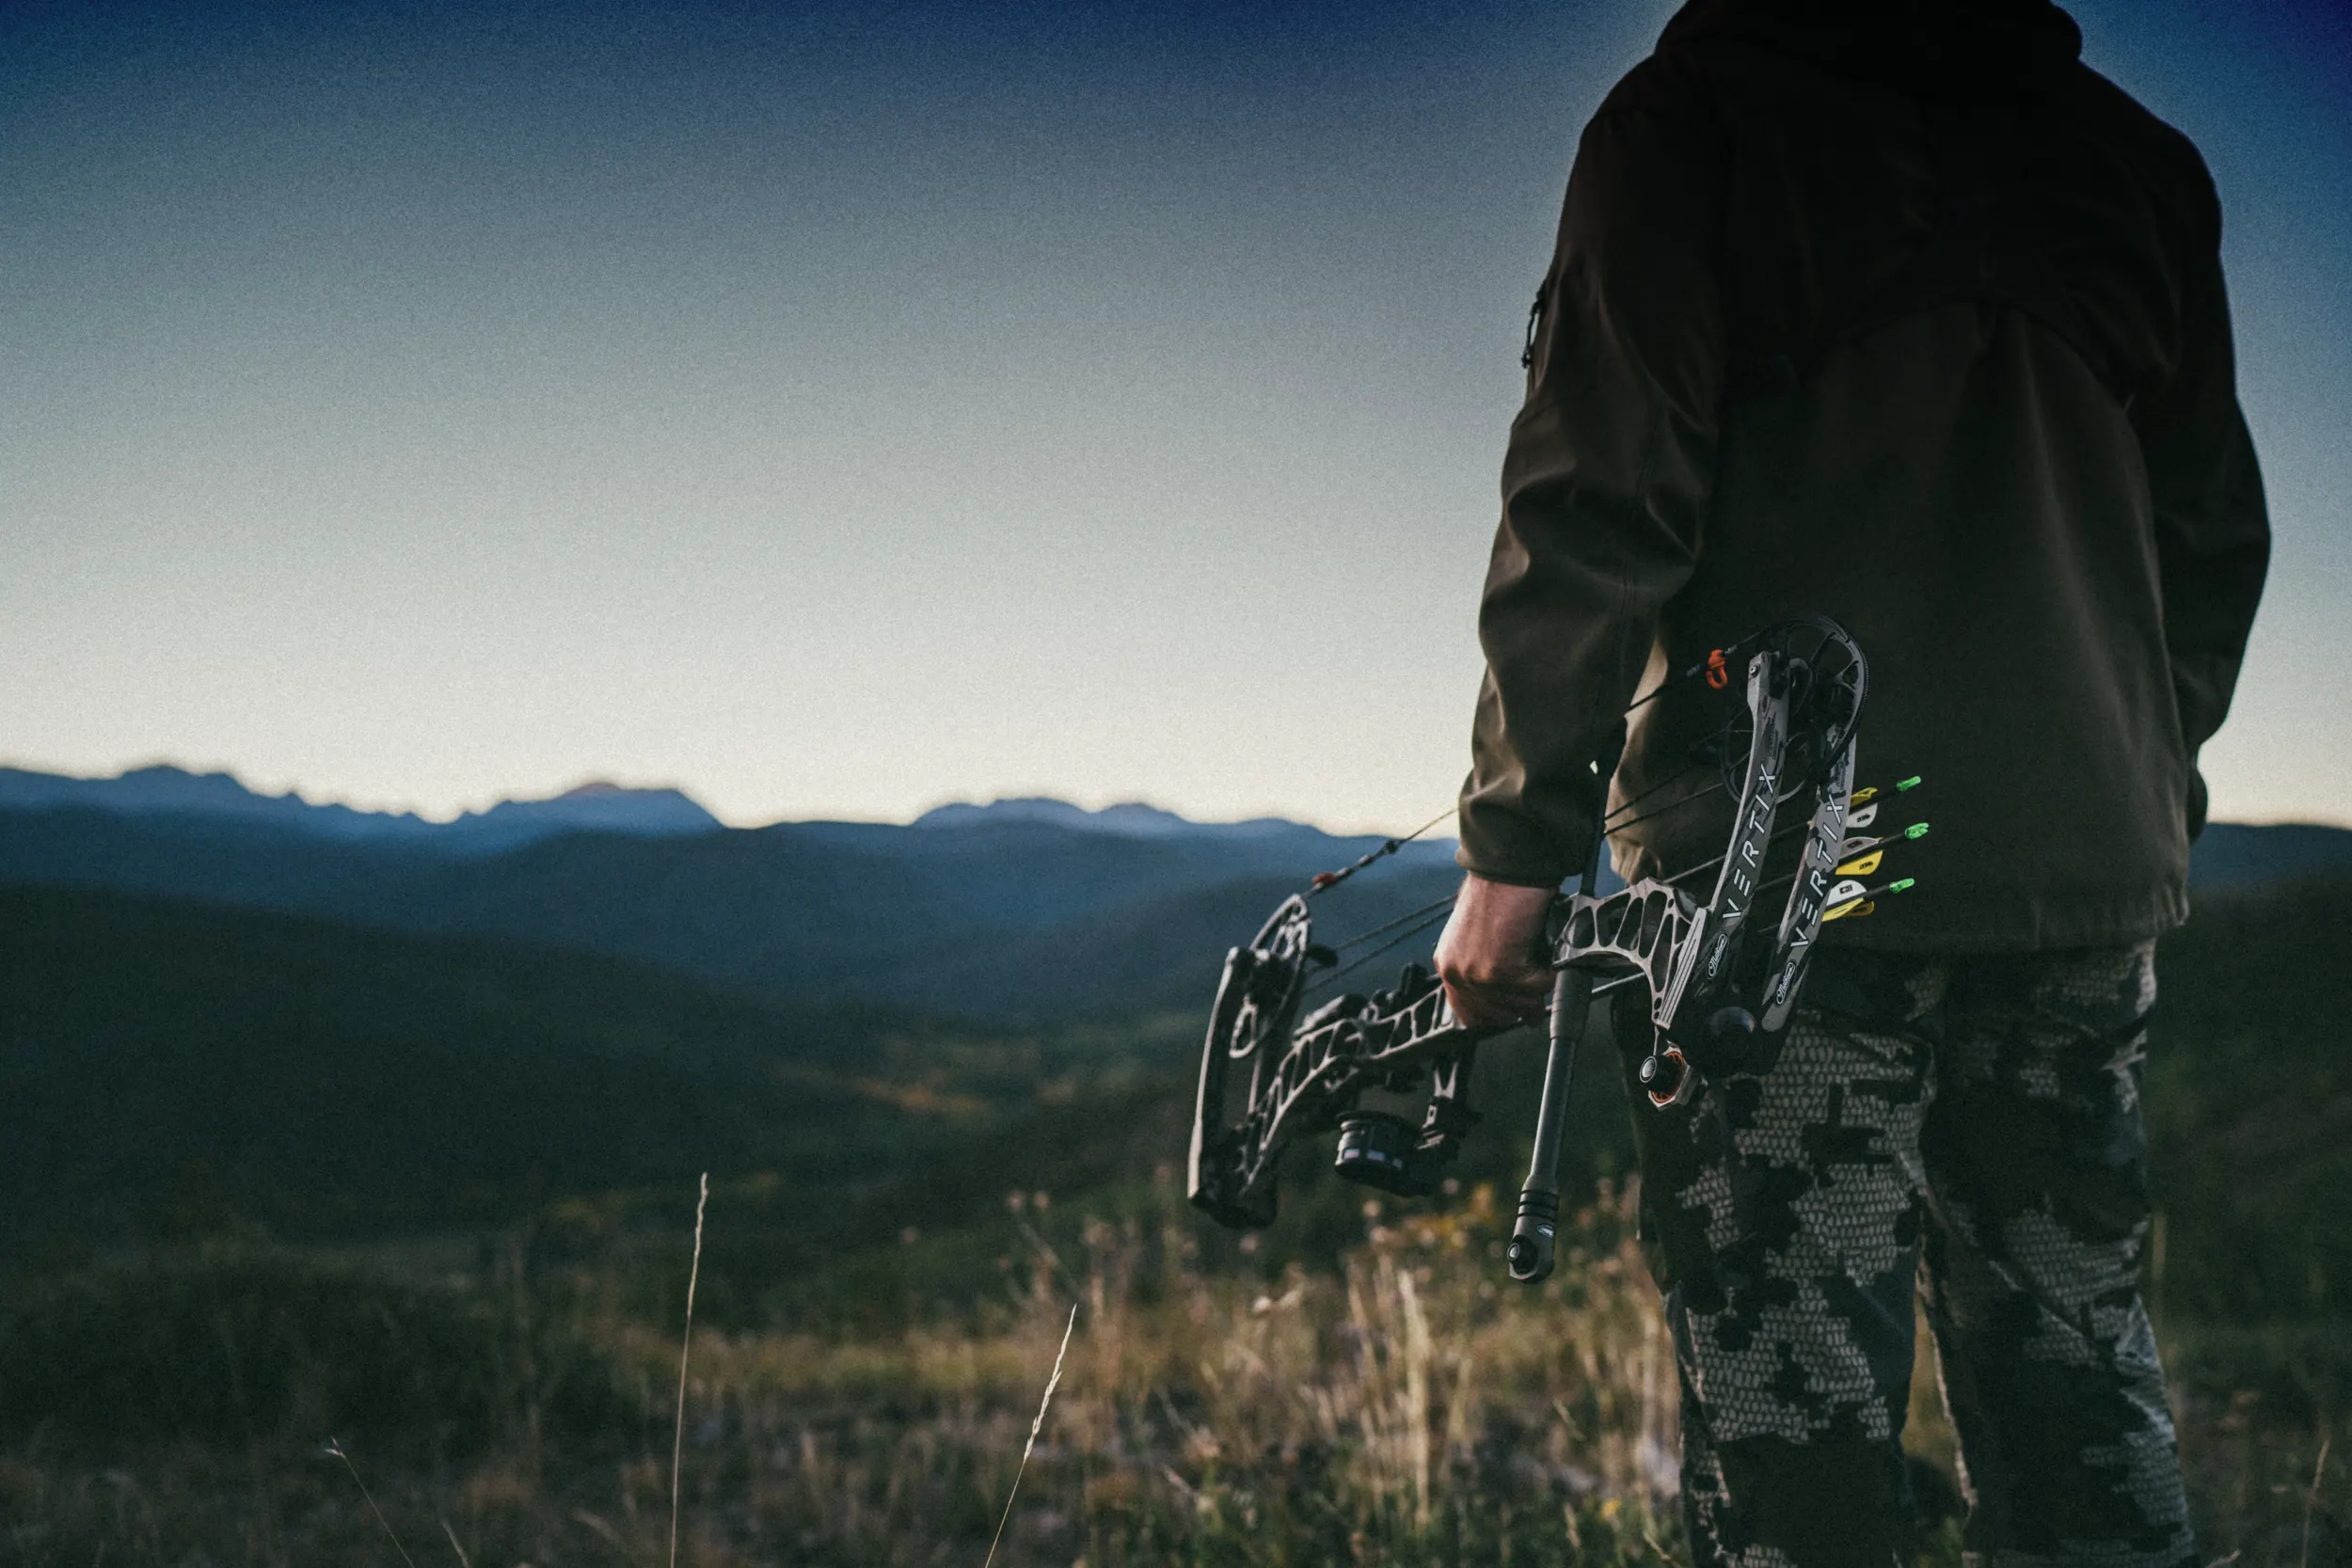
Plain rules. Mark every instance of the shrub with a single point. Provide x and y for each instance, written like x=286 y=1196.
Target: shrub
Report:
x=248 y=1343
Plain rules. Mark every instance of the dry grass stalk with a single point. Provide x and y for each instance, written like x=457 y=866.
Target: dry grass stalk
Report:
x=1035 y=1427
x=335 y=1450
x=1213 y=1415
x=1416 y=1392
x=2310 y=1500
x=686 y=1348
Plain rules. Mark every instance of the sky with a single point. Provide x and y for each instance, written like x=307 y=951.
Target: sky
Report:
x=834 y=410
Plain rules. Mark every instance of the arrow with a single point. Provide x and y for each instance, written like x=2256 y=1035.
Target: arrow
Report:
x=1852 y=898
x=1865 y=803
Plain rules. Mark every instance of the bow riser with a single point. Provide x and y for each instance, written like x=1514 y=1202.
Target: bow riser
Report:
x=1801 y=921
x=1647 y=927
x=1743 y=864
x=1349 y=1045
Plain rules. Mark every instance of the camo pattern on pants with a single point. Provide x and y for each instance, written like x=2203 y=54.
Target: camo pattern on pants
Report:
x=1971 y=1124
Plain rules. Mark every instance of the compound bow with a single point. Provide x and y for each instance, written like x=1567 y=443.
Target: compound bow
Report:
x=1719 y=996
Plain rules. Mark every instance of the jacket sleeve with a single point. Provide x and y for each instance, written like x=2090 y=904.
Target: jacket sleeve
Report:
x=2213 y=530
x=1606 y=479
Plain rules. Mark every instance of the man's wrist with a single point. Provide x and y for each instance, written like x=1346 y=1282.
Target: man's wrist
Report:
x=1503 y=845
x=1543 y=873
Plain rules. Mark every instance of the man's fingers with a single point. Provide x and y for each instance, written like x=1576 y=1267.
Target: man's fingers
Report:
x=1489 y=956
x=1497 y=999
x=1522 y=984
x=1483 y=1012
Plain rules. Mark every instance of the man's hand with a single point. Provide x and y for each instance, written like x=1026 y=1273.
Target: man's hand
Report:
x=1491 y=957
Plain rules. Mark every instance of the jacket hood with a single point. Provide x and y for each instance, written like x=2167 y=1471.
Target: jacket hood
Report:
x=1953 y=42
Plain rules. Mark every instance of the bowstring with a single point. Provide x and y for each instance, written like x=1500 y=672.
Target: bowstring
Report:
x=1325 y=881
x=1727 y=654
x=1362 y=937
x=1428 y=920
x=1418 y=921
x=1715 y=788
x=1607 y=821
x=1786 y=829
x=1427 y=915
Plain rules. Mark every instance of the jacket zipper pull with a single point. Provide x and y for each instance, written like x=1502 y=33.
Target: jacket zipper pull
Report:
x=1535 y=321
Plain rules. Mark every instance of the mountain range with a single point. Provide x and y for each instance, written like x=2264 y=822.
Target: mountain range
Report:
x=171 y=1069
x=164 y=790
x=258 y=1012
x=320 y=1079
x=1018 y=910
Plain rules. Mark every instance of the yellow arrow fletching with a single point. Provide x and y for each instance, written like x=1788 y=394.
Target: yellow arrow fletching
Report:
x=1858 y=908
x=1864 y=866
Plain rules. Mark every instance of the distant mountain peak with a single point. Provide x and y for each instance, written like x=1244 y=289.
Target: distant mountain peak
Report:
x=159 y=772
x=600 y=806
x=158 y=787
x=1126 y=820
x=167 y=789
x=1129 y=818
x=605 y=789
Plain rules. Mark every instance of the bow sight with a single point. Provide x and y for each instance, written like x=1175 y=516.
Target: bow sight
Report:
x=1721 y=992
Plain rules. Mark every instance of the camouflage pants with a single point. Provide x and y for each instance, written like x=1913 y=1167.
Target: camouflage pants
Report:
x=1972 y=1123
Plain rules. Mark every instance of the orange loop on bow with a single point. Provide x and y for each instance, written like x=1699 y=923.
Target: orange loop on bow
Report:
x=1718 y=672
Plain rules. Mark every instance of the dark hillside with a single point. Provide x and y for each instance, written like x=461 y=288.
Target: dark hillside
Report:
x=941 y=918
x=2250 y=1097
x=1167 y=952
x=1020 y=914
x=2230 y=858
x=2250 y=1107
x=255 y=864
x=166 y=1065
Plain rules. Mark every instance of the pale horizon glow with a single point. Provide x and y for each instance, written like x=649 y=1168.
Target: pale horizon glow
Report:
x=834 y=415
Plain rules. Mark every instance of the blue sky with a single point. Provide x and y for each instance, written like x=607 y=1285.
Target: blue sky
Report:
x=840 y=409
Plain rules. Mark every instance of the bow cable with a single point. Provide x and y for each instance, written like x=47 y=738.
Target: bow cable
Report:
x=1358 y=941
x=1716 y=666
x=1428 y=919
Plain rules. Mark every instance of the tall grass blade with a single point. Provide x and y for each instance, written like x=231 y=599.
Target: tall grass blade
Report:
x=1035 y=1427
x=2311 y=1499
x=686 y=1348
x=335 y=1450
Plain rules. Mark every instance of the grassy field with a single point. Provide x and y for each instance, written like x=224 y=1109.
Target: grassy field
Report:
x=903 y=1215
x=1407 y=1405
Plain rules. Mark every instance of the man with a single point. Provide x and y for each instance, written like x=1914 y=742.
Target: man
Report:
x=1899 y=313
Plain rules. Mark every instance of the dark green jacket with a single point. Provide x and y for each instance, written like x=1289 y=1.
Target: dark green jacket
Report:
x=1899 y=313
